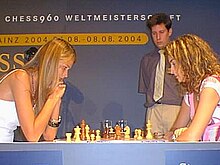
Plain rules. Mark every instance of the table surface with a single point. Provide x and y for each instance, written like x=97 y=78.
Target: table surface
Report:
x=155 y=152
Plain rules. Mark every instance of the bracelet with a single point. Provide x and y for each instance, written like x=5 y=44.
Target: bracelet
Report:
x=54 y=123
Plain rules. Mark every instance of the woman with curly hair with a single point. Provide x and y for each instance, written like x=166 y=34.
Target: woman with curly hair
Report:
x=196 y=67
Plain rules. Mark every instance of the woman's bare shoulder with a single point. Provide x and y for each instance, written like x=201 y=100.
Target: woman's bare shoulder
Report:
x=14 y=74
x=21 y=74
x=14 y=81
x=19 y=77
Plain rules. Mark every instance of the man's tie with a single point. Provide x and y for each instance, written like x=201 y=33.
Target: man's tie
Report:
x=159 y=77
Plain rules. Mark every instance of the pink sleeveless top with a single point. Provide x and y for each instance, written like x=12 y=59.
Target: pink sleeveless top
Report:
x=212 y=131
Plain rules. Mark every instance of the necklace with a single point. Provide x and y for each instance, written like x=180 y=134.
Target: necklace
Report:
x=33 y=91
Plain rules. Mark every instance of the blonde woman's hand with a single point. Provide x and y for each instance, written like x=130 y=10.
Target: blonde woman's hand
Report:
x=58 y=91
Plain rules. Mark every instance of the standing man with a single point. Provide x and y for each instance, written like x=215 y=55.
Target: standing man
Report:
x=163 y=110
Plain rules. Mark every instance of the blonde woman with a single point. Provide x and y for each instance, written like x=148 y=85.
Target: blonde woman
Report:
x=195 y=66
x=30 y=97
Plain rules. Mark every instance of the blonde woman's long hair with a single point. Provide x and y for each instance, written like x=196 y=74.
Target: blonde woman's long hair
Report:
x=45 y=63
x=197 y=59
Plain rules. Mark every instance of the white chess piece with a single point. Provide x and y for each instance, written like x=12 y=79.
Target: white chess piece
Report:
x=139 y=137
x=149 y=135
x=77 y=134
x=87 y=132
x=111 y=130
x=135 y=133
x=98 y=137
x=127 y=132
x=68 y=137
x=92 y=137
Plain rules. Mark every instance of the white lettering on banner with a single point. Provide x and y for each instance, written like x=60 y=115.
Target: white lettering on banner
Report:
x=31 y=18
x=172 y=17
x=112 y=17
x=81 y=18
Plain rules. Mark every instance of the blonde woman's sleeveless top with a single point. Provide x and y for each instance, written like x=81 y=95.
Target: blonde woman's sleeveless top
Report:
x=8 y=118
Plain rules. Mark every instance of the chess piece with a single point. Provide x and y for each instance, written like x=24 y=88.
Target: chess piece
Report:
x=98 y=137
x=149 y=135
x=135 y=133
x=106 y=125
x=87 y=132
x=77 y=133
x=118 y=132
x=139 y=137
x=83 y=133
x=127 y=133
x=92 y=137
x=122 y=123
x=106 y=133
x=111 y=134
x=68 y=137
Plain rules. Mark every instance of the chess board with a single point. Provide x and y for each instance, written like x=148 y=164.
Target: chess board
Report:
x=120 y=133
x=113 y=141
